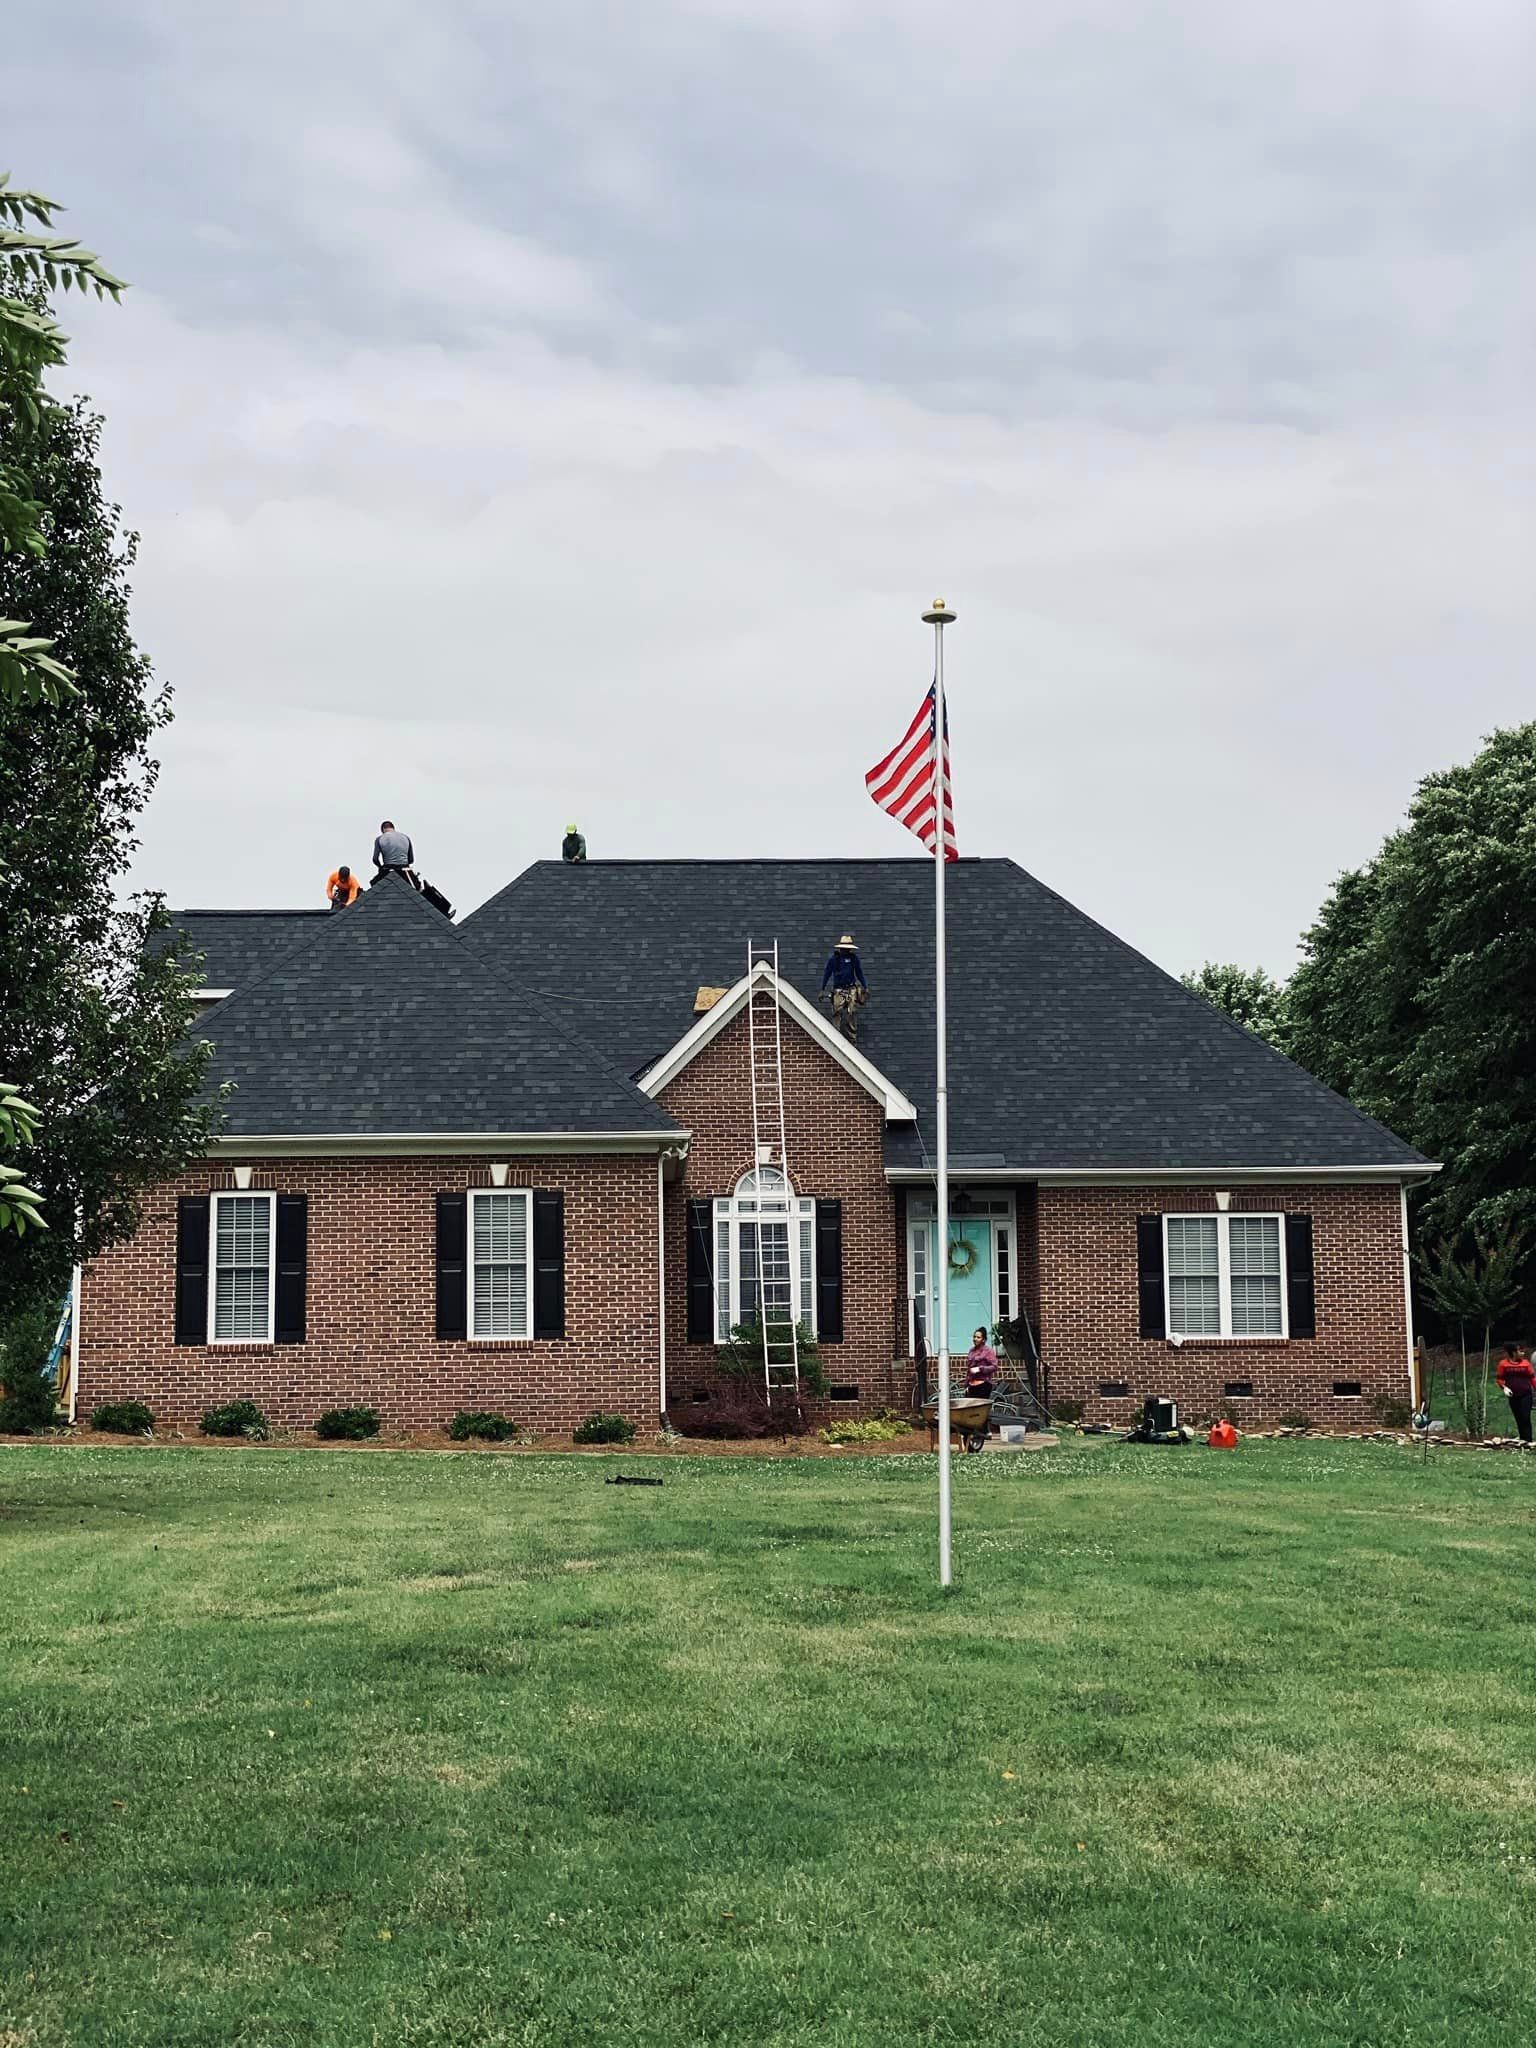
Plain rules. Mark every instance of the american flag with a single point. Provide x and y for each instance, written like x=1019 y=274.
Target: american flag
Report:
x=903 y=782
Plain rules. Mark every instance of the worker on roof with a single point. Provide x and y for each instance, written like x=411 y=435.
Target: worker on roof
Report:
x=342 y=887
x=393 y=853
x=573 y=847
x=844 y=975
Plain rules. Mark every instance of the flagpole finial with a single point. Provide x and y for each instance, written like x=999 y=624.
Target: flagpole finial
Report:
x=940 y=615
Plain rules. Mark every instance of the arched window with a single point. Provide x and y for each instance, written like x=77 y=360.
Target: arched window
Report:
x=765 y=1253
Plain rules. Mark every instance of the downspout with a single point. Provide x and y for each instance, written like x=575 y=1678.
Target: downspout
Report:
x=661 y=1282
x=1413 y=1392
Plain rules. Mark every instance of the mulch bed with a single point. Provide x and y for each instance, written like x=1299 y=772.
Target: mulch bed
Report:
x=435 y=1441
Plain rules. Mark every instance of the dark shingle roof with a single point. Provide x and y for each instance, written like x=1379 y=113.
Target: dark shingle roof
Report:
x=384 y=1021
x=1068 y=1049
x=238 y=945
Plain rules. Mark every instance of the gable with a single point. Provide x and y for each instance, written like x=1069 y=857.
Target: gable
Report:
x=794 y=1007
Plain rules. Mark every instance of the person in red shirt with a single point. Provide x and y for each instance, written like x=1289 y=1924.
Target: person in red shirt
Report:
x=1517 y=1379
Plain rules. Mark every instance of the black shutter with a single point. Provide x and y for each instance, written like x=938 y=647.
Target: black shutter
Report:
x=1149 y=1276
x=829 y=1271
x=1300 y=1297
x=192 y=1270
x=548 y=1264
x=452 y=1273
x=292 y=1267
x=701 y=1273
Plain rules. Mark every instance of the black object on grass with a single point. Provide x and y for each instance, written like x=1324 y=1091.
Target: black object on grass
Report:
x=621 y=1480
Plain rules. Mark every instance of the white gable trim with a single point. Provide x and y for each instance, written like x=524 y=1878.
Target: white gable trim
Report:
x=898 y=1110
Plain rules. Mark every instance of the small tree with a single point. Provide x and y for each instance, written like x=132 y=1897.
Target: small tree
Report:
x=1478 y=1287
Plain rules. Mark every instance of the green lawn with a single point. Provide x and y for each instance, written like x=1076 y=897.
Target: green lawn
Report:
x=398 y=1749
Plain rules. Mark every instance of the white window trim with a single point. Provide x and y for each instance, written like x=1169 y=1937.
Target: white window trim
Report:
x=1222 y=1219
x=269 y=1196
x=513 y=1337
x=998 y=1209
x=728 y=1210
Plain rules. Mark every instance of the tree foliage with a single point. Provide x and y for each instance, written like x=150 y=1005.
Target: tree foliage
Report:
x=1248 y=995
x=33 y=263
x=1416 y=995
x=93 y=1021
x=19 y=1204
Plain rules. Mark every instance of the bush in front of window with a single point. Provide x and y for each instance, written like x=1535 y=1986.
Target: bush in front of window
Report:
x=123 y=1418
x=236 y=1418
x=1068 y=1411
x=471 y=1423
x=604 y=1429
x=348 y=1425
x=1294 y=1419
x=739 y=1411
x=741 y=1355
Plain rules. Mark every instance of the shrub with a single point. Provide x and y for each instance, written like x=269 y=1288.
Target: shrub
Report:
x=1392 y=1412
x=124 y=1418
x=348 y=1425
x=605 y=1429
x=879 y=1429
x=1068 y=1411
x=28 y=1403
x=1294 y=1419
x=741 y=1356
x=473 y=1422
x=236 y=1418
x=738 y=1412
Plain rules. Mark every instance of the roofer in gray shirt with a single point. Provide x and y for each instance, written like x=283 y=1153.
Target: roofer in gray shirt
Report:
x=393 y=851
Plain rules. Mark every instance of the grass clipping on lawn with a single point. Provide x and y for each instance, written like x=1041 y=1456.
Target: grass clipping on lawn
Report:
x=1211 y=1750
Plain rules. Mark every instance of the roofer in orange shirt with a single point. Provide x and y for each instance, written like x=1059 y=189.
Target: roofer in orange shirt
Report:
x=342 y=887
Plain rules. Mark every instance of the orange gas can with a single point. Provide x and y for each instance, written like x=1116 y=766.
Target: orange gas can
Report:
x=1223 y=1437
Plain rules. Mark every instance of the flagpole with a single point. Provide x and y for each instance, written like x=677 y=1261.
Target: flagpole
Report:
x=939 y=617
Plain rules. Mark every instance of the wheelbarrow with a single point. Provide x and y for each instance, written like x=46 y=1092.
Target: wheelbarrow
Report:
x=970 y=1417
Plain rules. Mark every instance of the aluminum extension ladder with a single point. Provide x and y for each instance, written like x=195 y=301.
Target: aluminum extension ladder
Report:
x=765 y=1051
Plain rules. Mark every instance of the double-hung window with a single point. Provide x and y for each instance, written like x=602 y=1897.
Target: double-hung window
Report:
x=765 y=1254
x=500 y=1279
x=1225 y=1276
x=244 y=1271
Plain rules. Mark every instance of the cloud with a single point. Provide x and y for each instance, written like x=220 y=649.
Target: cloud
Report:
x=569 y=413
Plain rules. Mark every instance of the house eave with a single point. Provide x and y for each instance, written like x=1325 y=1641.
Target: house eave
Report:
x=1180 y=1176
x=418 y=1144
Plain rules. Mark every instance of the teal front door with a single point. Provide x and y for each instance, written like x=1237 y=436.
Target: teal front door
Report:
x=972 y=1285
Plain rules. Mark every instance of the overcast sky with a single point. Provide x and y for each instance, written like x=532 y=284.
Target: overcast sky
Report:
x=546 y=412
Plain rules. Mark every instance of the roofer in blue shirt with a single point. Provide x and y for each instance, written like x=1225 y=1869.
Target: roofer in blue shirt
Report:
x=393 y=852
x=844 y=975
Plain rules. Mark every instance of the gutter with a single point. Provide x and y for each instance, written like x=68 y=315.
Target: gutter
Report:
x=1156 y=1176
x=398 y=1144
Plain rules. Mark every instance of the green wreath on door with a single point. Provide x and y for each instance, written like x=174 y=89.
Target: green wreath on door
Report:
x=962 y=1257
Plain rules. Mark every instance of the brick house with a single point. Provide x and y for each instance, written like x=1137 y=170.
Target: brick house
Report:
x=510 y=1164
